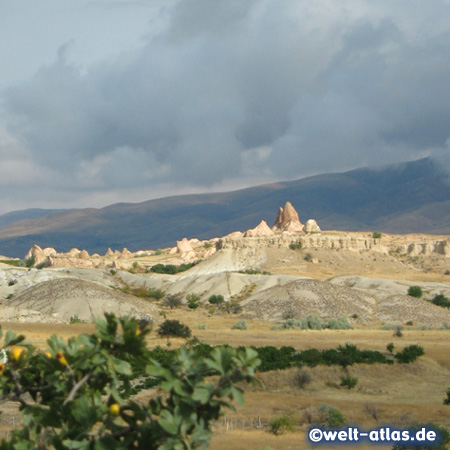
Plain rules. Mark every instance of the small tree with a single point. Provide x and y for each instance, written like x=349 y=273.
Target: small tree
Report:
x=174 y=328
x=216 y=299
x=280 y=424
x=173 y=300
x=415 y=291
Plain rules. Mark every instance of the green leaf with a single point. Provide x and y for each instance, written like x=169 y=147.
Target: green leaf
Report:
x=121 y=366
x=12 y=339
x=76 y=444
x=169 y=422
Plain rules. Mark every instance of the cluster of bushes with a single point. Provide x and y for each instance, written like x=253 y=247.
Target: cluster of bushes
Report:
x=171 y=269
x=143 y=292
x=441 y=300
x=295 y=245
x=313 y=322
x=29 y=262
x=254 y=272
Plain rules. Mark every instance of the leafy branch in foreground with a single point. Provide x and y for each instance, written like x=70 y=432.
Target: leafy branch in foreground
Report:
x=73 y=395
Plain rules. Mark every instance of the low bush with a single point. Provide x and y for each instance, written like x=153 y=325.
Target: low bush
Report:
x=308 y=257
x=331 y=417
x=341 y=323
x=415 y=291
x=376 y=235
x=174 y=328
x=302 y=378
x=280 y=424
x=409 y=354
x=75 y=319
x=143 y=292
x=295 y=245
x=171 y=269
x=173 y=300
x=441 y=432
x=441 y=300
x=313 y=322
x=349 y=382
x=231 y=307
x=216 y=299
x=254 y=272
x=240 y=325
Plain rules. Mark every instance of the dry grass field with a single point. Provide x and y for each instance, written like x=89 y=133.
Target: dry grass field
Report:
x=396 y=394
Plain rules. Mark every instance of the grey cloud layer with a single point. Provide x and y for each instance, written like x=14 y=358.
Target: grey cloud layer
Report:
x=245 y=89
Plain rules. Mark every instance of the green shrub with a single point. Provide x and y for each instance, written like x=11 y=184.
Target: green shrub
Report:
x=398 y=331
x=75 y=319
x=159 y=252
x=390 y=347
x=174 y=328
x=439 y=430
x=201 y=326
x=231 y=307
x=173 y=300
x=409 y=354
x=331 y=417
x=340 y=323
x=445 y=326
x=441 y=300
x=171 y=269
x=193 y=301
x=30 y=262
x=415 y=291
x=308 y=257
x=302 y=378
x=77 y=393
x=240 y=325
x=13 y=262
x=280 y=424
x=208 y=245
x=295 y=245
x=349 y=382
x=143 y=292
x=447 y=272
x=216 y=299
x=254 y=272
x=376 y=235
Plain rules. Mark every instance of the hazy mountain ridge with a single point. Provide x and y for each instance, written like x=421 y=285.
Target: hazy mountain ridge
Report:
x=411 y=197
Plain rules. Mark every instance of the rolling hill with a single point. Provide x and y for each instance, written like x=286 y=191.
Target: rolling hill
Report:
x=407 y=198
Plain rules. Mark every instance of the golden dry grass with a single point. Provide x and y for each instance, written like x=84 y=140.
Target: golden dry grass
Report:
x=399 y=394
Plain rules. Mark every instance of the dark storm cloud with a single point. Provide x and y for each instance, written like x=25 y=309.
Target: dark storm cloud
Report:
x=239 y=89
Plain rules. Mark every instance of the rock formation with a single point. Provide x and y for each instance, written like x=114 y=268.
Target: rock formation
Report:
x=109 y=252
x=287 y=220
x=312 y=227
x=261 y=230
x=83 y=254
x=184 y=246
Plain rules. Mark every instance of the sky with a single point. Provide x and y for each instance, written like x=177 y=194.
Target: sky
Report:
x=109 y=101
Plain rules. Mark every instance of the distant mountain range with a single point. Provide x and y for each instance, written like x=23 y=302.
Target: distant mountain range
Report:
x=407 y=198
